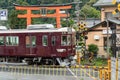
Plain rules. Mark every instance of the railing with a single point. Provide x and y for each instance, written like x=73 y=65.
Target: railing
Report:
x=96 y=73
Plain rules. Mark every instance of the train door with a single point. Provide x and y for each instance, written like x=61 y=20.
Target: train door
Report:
x=45 y=49
x=53 y=45
x=31 y=45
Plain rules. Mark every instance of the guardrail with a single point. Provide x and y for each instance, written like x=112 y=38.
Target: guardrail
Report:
x=96 y=73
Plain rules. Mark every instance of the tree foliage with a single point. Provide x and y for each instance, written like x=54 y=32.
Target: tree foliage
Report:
x=93 y=48
x=15 y=22
x=89 y=11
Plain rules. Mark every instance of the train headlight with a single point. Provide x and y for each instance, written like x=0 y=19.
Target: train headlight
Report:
x=61 y=50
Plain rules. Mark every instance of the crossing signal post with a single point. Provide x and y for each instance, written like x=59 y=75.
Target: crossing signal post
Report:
x=81 y=36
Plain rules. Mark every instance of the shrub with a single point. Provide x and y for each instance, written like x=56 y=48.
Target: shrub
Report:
x=93 y=48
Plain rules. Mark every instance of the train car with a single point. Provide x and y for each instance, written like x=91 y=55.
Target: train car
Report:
x=38 y=45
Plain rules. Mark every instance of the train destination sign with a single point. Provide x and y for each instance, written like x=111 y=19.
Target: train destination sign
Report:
x=3 y=14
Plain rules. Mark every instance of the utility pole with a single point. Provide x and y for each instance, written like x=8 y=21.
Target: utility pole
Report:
x=77 y=8
x=107 y=37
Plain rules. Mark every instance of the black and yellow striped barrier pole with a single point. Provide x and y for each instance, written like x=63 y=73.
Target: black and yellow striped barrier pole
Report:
x=78 y=57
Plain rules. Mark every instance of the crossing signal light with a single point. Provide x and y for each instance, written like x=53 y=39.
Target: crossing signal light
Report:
x=82 y=25
x=118 y=7
x=114 y=2
x=116 y=11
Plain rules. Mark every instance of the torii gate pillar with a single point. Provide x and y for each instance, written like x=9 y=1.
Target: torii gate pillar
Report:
x=43 y=12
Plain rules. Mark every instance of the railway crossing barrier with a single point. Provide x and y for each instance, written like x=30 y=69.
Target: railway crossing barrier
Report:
x=110 y=72
x=96 y=73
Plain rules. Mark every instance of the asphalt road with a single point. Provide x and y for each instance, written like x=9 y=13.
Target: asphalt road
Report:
x=9 y=76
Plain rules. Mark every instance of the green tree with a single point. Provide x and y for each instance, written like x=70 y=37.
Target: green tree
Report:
x=67 y=22
x=93 y=48
x=90 y=12
x=15 y=22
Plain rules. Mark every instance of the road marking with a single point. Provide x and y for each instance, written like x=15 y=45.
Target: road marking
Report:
x=90 y=75
x=72 y=72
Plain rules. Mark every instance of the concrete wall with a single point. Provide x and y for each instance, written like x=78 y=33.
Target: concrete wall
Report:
x=106 y=9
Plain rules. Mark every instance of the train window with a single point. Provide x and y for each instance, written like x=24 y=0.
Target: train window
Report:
x=73 y=40
x=69 y=40
x=53 y=40
x=27 y=40
x=1 y=40
x=12 y=40
x=44 y=40
x=66 y=40
x=30 y=41
x=33 y=40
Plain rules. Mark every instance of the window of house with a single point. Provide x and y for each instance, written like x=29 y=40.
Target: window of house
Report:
x=108 y=15
x=12 y=40
x=53 y=40
x=30 y=41
x=105 y=42
x=44 y=40
x=2 y=40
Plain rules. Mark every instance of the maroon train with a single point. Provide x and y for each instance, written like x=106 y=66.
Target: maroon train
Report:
x=43 y=46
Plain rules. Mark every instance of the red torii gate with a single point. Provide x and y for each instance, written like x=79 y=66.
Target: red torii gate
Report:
x=43 y=8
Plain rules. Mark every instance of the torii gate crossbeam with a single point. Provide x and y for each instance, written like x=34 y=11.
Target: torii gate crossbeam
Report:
x=29 y=15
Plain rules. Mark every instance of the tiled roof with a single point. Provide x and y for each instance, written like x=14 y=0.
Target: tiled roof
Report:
x=116 y=21
x=92 y=22
x=104 y=3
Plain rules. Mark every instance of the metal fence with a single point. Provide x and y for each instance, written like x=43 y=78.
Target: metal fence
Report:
x=53 y=71
x=115 y=68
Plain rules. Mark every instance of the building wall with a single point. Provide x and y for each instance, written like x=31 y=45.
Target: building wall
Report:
x=98 y=31
x=106 y=9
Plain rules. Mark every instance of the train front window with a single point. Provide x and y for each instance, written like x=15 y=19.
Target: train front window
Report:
x=12 y=40
x=65 y=40
x=30 y=41
x=44 y=40
x=1 y=40
x=69 y=40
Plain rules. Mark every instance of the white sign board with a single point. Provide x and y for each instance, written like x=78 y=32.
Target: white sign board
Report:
x=117 y=39
x=113 y=68
x=3 y=14
x=105 y=31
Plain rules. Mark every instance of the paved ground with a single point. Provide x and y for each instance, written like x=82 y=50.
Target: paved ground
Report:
x=11 y=76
